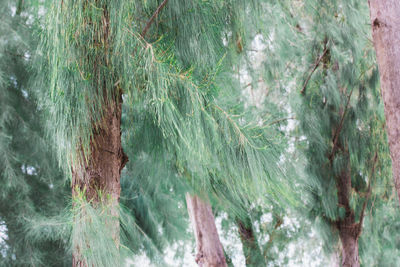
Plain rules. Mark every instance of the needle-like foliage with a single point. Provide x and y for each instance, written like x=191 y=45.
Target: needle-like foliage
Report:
x=171 y=100
x=180 y=96
x=326 y=50
x=32 y=186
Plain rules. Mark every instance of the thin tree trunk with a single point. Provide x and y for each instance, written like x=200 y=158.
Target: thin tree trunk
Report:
x=385 y=21
x=209 y=249
x=349 y=230
x=251 y=250
x=99 y=178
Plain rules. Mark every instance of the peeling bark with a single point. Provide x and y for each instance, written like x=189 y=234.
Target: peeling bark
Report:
x=385 y=22
x=209 y=249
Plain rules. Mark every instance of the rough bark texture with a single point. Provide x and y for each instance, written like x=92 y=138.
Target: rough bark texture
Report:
x=251 y=249
x=385 y=21
x=209 y=249
x=98 y=177
x=101 y=174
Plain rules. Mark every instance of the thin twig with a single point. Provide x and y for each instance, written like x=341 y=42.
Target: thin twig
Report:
x=151 y=20
x=251 y=84
x=282 y=119
x=368 y=192
x=303 y=90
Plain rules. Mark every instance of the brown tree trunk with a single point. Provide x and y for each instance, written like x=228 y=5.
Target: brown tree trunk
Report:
x=251 y=249
x=349 y=238
x=385 y=21
x=96 y=177
x=99 y=178
x=349 y=230
x=209 y=249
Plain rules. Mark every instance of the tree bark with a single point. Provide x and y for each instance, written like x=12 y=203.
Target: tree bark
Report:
x=96 y=177
x=349 y=230
x=99 y=178
x=251 y=249
x=349 y=238
x=385 y=22
x=209 y=249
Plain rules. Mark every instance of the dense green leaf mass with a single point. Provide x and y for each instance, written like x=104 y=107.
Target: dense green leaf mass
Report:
x=187 y=126
x=32 y=185
x=180 y=98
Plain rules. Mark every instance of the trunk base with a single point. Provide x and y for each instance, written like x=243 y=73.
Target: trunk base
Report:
x=349 y=234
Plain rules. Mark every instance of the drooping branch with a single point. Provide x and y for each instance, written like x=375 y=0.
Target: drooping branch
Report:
x=151 y=20
x=316 y=64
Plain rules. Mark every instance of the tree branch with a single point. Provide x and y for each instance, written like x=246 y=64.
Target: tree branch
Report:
x=251 y=84
x=368 y=192
x=317 y=62
x=282 y=119
x=151 y=20
x=339 y=128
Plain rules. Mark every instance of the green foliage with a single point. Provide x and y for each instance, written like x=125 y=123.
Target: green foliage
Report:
x=180 y=104
x=379 y=242
x=168 y=99
x=324 y=49
x=186 y=125
x=155 y=200
x=32 y=186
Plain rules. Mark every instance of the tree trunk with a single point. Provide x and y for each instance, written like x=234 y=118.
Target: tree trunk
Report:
x=349 y=230
x=209 y=249
x=349 y=238
x=385 y=21
x=99 y=178
x=96 y=177
x=251 y=249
